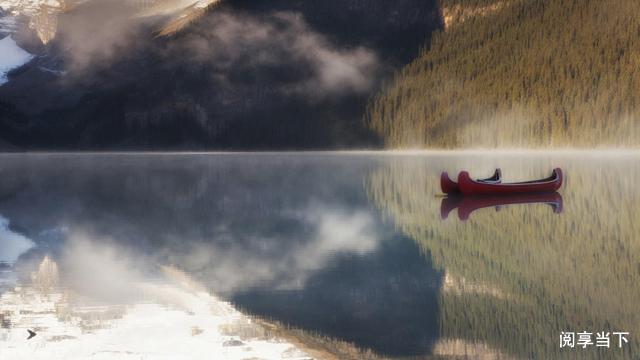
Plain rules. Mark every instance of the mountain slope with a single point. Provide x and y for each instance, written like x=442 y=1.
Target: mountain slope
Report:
x=246 y=74
x=526 y=74
x=42 y=15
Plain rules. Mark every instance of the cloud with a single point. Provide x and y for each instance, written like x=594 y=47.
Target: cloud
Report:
x=277 y=50
x=302 y=60
x=259 y=262
x=97 y=33
x=105 y=268
x=98 y=267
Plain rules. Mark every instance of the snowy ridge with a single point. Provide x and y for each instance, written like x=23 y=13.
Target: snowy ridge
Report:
x=186 y=16
x=42 y=14
x=169 y=7
x=29 y=7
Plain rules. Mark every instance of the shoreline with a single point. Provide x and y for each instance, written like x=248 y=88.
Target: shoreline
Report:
x=365 y=152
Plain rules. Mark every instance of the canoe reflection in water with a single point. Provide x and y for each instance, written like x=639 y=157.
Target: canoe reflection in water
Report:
x=468 y=204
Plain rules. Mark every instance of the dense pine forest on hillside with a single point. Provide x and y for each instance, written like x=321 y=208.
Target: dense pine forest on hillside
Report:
x=520 y=73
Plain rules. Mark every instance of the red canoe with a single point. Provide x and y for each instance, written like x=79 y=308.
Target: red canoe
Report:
x=451 y=187
x=469 y=186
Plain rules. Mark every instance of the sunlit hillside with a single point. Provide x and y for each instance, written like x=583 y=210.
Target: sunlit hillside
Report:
x=520 y=275
x=519 y=73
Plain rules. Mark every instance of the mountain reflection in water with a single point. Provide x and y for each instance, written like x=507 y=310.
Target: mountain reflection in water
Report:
x=344 y=247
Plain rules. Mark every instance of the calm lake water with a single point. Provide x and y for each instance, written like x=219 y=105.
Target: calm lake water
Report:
x=358 y=249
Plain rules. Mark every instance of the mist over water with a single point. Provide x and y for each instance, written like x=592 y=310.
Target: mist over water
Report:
x=348 y=246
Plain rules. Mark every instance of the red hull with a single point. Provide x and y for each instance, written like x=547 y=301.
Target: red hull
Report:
x=449 y=186
x=469 y=186
x=468 y=204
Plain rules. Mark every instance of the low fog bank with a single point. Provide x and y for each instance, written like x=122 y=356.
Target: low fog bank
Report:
x=210 y=218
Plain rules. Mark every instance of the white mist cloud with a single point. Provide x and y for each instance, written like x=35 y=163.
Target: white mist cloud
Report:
x=278 y=50
x=336 y=231
x=331 y=232
x=98 y=33
x=99 y=268
x=105 y=269
x=233 y=41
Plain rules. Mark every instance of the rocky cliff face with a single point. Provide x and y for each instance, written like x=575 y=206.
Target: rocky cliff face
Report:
x=39 y=15
x=456 y=14
x=244 y=74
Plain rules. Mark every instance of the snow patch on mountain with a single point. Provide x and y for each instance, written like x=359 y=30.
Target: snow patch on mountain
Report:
x=12 y=57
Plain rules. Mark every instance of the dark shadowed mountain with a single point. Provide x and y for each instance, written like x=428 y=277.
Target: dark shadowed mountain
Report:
x=249 y=74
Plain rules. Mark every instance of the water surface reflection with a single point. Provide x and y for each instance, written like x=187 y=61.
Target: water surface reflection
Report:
x=529 y=273
x=350 y=249
x=264 y=232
